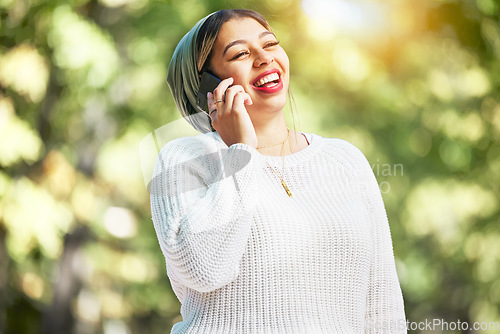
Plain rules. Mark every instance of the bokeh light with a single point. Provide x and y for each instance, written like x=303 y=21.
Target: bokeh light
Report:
x=84 y=110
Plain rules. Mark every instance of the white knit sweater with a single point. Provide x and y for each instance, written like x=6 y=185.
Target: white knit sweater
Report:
x=243 y=257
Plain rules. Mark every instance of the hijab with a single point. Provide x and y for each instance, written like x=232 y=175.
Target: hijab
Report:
x=184 y=80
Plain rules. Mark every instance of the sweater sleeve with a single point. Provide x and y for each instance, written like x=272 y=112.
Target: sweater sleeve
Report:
x=200 y=205
x=385 y=307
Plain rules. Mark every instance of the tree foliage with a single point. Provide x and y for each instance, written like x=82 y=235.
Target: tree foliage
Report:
x=415 y=85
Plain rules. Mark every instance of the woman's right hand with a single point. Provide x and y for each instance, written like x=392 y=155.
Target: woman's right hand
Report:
x=230 y=118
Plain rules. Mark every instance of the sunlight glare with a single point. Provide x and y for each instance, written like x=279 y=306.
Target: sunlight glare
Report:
x=347 y=16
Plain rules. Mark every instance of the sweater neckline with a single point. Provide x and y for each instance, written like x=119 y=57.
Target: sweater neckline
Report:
x=291 y=159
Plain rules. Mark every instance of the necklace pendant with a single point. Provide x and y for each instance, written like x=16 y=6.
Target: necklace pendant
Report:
x=286 y=188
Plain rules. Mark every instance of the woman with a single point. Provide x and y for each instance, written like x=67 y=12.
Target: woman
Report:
x=264 y=229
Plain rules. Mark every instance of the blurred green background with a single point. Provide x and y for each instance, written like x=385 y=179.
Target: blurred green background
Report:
x=414 y=84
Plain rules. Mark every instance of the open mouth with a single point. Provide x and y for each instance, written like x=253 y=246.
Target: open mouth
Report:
x=269 y=80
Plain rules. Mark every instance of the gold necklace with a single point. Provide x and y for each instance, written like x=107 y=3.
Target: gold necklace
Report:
x=259 y=147
x=283 y=183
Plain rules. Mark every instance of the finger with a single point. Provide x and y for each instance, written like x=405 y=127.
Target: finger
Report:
x=212 y=108
x=241 y=98
x=239 y=101
x=221 y=88
x=230 y=94
x=248 y=99
x=238 y=89
x=210 y=102
x=210 y=98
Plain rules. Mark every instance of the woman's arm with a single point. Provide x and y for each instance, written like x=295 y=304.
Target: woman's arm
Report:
x=385 y=307
x=202 y=214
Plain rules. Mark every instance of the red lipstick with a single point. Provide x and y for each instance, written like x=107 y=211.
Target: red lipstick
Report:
x=269 y=87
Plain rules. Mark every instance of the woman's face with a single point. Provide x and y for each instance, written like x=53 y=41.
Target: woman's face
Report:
x=251 y=55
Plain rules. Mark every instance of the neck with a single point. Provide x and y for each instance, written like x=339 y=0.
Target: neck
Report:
x=274 y=131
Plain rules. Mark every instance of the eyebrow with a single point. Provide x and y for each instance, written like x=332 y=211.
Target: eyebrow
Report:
x=242 y=41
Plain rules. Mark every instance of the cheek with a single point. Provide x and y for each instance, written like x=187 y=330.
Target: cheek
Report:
x=229 y=71
x=238 y=74
x=286 y=61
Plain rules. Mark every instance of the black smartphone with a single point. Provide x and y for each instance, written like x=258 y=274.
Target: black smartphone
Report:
x=208 y=83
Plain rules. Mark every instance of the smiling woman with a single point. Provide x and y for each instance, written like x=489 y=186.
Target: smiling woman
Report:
x=264 y=229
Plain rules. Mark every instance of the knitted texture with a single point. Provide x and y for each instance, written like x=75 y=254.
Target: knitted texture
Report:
x=243 y=257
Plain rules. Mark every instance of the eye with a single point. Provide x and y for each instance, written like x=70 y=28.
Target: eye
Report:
x=240 y=54
x=271 y=44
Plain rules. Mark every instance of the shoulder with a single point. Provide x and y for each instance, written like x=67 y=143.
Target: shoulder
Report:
x=342 y=151
x=186 y=148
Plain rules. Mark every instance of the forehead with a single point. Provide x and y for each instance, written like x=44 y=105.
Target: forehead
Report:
x=239 y=29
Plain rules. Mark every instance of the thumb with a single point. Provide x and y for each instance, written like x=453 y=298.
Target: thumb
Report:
x=248 y=99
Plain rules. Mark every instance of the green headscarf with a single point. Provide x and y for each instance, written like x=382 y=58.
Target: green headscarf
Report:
x=184 y=81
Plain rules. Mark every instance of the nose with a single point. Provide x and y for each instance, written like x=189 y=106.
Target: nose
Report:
x=263 y=58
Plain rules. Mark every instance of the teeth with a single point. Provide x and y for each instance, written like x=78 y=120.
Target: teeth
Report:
x=267 y=78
